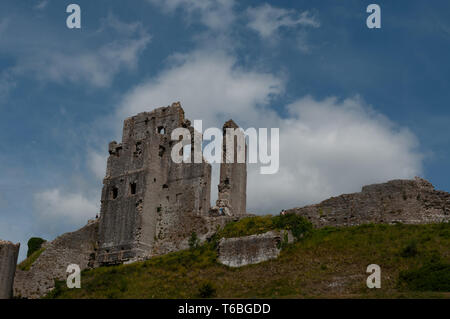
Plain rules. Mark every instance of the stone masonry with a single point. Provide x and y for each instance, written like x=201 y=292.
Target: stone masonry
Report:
x=241 y=251
x=404 y=201
x=8 y=259
x=232 y=197
x=71 y=248
x=150 y=204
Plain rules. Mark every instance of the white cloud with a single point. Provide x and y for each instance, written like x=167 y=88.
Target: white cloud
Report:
x=303 y=43
x=327 y=147
x=97 y=67
x=209 y=85
x=97 y=163
x=268 y=20
x=55 y=207
x=222 y=20
x=331 y=147
x=42 y=4
x=88 y=60
x=214 y=14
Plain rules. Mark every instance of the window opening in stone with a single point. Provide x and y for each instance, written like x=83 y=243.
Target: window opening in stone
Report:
x=133 y=188
x=137 y=149
x=115 y=192
x=161 y=150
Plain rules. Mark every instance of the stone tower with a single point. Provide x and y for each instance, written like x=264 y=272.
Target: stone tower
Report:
x=233 y=173
x=8 y=260
x=146 y=197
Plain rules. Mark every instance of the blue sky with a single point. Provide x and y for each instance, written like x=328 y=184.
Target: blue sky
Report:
x=354 y=105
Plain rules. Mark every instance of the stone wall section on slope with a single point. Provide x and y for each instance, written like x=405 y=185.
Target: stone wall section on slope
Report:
x=398 y=201
x=253 y=249
x=71 y=248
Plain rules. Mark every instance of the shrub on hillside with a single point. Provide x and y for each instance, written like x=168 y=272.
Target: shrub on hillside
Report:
x=207 y=290
x=34 y=244
x=298 y=225
x=432 y=276
x=248 y=226
x=194 y=241
x=410 y=250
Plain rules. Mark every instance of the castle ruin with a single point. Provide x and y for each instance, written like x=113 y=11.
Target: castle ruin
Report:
x=150 y=204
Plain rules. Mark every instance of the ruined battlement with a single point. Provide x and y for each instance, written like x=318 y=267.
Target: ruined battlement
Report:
x=399 y=185
x=405 y=201
x=162 y=120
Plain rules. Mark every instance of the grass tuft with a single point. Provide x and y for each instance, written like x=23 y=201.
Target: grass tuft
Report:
x=27 y=263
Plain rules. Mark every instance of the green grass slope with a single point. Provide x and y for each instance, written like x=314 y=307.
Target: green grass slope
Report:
x=323 y=263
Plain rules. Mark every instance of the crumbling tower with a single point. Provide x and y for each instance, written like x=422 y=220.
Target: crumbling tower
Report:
x=146 y=196
x=8 y=260
x=232 y=197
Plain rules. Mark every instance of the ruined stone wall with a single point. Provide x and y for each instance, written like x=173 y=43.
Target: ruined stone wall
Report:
x=241 y=251
x=232 y=195
x=8 y=259
x=145 y=193
x=406 y=201
x=178 y=231
x=71 y=248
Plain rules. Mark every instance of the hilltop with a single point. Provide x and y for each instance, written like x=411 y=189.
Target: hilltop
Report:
x=326 y=262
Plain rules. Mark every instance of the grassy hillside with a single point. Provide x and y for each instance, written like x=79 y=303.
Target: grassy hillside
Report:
x=330 y=262
x=27 y=263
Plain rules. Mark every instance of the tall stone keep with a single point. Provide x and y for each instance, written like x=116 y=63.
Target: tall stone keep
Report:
x=146 y=196
x=232 y=196
x=8 y=261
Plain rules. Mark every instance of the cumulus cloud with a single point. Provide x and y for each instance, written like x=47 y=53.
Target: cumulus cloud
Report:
x=327 y=147
x=209 y=85
x=268 y=20
x=62 y=210
x=330 y=147
x=97 y=163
